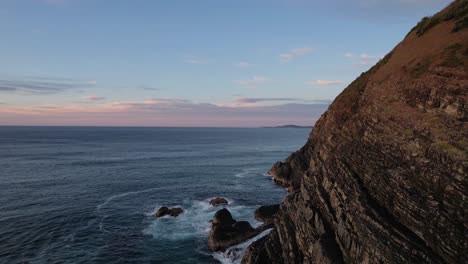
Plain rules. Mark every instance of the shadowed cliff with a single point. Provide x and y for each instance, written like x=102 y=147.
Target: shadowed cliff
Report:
x=382 y=177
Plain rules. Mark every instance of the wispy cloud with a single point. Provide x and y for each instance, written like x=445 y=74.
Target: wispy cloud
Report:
x=271 y=101
x=41 y=85
x=244 y=64
x=363 y=59
x=197 y=60
x=325 y=82
x=252 y=100
x=253 y=82
x=295 y=53
x=148 y=88
x=165 y=112
x=319 y=101
x=94 y=98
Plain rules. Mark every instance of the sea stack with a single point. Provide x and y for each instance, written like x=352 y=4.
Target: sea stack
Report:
x=226 y=232
x=382 y=177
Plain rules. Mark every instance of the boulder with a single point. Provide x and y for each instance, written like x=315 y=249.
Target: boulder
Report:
x=163 y=211
x=176 y=211
x=218 y=201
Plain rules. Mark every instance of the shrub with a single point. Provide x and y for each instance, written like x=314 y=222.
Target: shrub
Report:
x=461 y=24
x=453 y=56
x=421 y=67
x=457 y=12
x=426 y=24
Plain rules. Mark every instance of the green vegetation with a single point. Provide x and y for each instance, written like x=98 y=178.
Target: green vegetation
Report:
x=447 y=147
x=461 y=24
x=426 y=23
x=420 y=68
x=384 y=60
x=431 y=120
x=408 y=132
x=454 y=56
x=457 y=12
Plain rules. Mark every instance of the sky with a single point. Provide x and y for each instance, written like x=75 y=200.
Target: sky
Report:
x=242 y=63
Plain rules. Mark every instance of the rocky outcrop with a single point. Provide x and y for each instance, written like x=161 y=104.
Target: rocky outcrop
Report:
x=283 y=172
x=226 y=232
x=218 y=201
x=266 y=213
x=174 y=212
x=382 y=178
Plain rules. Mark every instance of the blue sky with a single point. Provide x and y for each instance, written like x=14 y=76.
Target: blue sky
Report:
x=189 y=63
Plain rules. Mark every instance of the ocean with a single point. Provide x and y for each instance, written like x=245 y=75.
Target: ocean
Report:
x=88 y=194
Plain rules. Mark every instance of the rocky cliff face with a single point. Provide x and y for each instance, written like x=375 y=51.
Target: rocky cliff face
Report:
x=382 y=178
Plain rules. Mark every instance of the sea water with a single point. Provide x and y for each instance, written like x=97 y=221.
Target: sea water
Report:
x=88 y=195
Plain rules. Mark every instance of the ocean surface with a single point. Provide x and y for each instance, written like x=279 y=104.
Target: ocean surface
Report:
x=88 y=195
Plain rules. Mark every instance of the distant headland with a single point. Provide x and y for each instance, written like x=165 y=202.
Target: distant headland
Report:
x=289 y=126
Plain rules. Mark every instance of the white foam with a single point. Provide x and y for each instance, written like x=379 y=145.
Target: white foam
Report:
x=246 y=172
x=194 y=222
x=234 y=254
x=117 y=196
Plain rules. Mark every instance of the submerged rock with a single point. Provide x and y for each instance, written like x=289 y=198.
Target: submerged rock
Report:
x=218 y=201
x=174 y=212
x=226 y=232
x=266 y=213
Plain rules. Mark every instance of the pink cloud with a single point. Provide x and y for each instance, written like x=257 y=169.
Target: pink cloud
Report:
x=163 y=112
x=94 y=98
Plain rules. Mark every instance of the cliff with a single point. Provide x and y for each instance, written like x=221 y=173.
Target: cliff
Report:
x=382 y=177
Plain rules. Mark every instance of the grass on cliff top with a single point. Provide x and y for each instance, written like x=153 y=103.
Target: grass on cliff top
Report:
x=457 y=12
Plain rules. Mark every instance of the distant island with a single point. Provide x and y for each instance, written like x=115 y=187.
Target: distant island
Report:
x=289 y=126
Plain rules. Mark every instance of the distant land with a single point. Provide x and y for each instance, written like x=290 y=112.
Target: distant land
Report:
x=289 y=126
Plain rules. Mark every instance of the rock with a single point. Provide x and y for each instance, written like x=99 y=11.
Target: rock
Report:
x=218 y=201
x=280 y=173
x=383 y=175
x=174 y=212
x=226 y=232
x=223 y=217
x=290 y=172
x=162 y=212
x=266 y=213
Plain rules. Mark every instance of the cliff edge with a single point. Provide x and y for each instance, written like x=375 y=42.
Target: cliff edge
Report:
x=382 y=177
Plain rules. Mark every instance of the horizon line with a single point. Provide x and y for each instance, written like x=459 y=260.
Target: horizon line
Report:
x=94 y=126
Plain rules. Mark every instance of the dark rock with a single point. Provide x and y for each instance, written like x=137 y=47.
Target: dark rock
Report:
x=266 y=213
x=176 y=211
x=218 y=201
x=382 y=177
x=243 y=227
x=223 y=217
x=290 y=172
x=226 y=232
x=281 y=174
x=163 y=211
